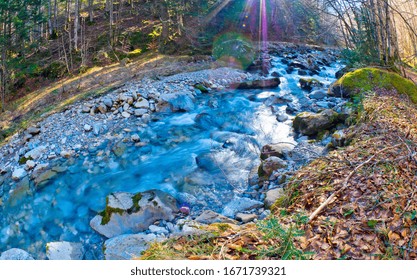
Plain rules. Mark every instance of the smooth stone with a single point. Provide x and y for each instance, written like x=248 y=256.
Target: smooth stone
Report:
x=33 y=130
x=210 y=217
x=16 y=254
x=120 y=200
x=151 y=206
x=135 y=138
x=64 y=251
x=246 y=218
x=18 y=174
x=272 y=196
x=125 y=115
x=318 y=94
x=140 y=112
x=36 y=153
x=143 y=104
x=127 y=246
x=108 y=102
x=88 y=127
x=158 y=230
x=240 y=204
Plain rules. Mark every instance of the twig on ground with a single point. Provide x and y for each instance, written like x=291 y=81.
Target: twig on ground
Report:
x=346 y=182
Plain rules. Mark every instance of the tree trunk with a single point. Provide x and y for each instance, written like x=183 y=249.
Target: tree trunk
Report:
x=76 y=23
x=90 y=10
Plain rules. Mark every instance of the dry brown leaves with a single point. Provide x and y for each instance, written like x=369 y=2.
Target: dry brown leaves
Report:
x=375 y=216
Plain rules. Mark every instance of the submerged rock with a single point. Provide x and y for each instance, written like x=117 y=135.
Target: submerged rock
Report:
x=64 y=251
x=179 y=102
x=258 y=84
x=128 y=213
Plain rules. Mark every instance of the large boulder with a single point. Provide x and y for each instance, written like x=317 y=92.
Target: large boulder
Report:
x=127 y=213
x=312 y=124
x=64 y=251
x=127 y=246
x=15 y=254
x=257 y=84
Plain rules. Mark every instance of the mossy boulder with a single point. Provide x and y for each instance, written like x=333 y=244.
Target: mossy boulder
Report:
x=309 y=84
x=281 y=150
x=127 y=213
x=312 y=124
x=369 y=79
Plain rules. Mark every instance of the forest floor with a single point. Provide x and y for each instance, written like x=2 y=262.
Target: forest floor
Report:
x=373 y=214
x=98 y=80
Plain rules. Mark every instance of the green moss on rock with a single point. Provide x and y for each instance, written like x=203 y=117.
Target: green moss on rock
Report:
x=368 y=79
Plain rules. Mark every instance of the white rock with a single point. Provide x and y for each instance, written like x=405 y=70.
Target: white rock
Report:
x=66 y=154
x=36 y=152
x=88 y=127
x=15 y=254
x=143 y=104
x=272 y=196
x=30 y=164
x=120 y=200
x=64 y=251
x=127 y=246
x=135 y=138
x=125 y=115
x=18 y=174
x=158 y=230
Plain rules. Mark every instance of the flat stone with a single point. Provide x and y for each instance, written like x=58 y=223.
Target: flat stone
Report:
x=18 y=174
x=158 y=230
x=246 y=218
x=36 y=153
x=210 y=217
x=318 y=94
x=127 y=246
x=44 y=177
x=85 y=109
x=140 y=112
x=150 y=207
x=33 y=130
x=240 y=204
x=143 y=104
x=120 y=200
x=64 y=251
x=125 y=115
x=272 y=196
x=16 y=254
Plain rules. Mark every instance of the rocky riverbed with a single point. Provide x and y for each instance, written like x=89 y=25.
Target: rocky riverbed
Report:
x=157 y=157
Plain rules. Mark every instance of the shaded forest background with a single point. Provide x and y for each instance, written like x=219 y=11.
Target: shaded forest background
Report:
x=45 y=40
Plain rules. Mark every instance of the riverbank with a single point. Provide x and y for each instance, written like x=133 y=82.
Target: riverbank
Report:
x=90 y=145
